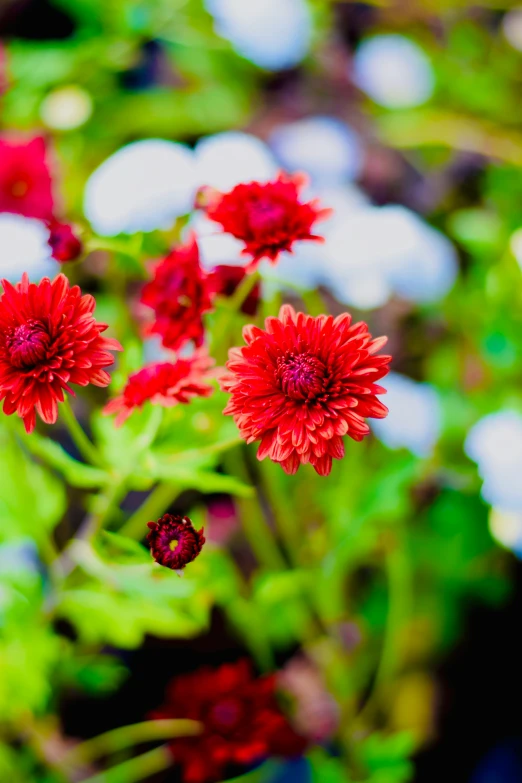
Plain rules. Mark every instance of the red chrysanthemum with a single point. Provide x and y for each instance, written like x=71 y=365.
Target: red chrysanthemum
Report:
x=224 y=279
x=174 y=541
x=164 y=383
x=179 y=296
x=302 y=384
x=49 y=339
x=242 y=722
x=268 y=217
x=64 y=243
x=25 y=180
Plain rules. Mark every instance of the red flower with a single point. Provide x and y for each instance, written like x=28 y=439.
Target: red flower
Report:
x=242 y=722
x=174 y=541
x=302 y=384
x=267 y=217
x=63 y=241
x=25 y=181
x=166 y=384
x=48 y=340
x=224 y=279
x=178 y=295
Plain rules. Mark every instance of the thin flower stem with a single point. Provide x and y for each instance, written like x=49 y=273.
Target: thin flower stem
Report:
x=136 y=769
x=232 y=306
x=256 y=530
x=82 y=442
x=154 y=506
x=243 y=291
x=282 y=511
x=108 y=504
x=399 y=608
x=127 y=736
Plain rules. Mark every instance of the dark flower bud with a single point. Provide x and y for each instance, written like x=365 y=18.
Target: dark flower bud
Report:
x=64 y=243
x=174 y=541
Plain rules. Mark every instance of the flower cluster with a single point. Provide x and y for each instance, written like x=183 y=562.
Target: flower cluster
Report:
x=298 y=386
x=242 y=722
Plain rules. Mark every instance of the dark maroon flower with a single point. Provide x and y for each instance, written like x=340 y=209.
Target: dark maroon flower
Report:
x=242 y=722
x=64 y=243
x=25 y=179
x=174 y=541
x=267 y=216
x=223 y=281
x=179 y=296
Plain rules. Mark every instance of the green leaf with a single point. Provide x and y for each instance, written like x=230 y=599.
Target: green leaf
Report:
x=76 y=473
x=32 y=500
x=387 y=757
x=119 y=601
x=126 y=547
x=326 y=769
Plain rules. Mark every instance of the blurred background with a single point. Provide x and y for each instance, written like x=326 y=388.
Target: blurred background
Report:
x=406 y=119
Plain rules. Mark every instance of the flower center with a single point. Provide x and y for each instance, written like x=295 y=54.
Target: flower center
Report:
x=19 y=188
x=226 y=714
x=264 y=215
x=27 y=344
x=302 y=376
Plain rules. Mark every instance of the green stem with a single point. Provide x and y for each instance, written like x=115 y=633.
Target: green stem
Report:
x=224 y=326
x=243 y=291
x=82 y=442
x=127 y=736
x=399 y=608
x=108 y=504
x=154 y=506
x=256 y=530
x=282 y=511
x=135 y=769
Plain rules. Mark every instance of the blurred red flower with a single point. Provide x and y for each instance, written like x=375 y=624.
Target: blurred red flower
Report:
x=64 y=243
x=174 y=542
x=242 y=721
x=48 y=340
x=25 y=179
x=164 y=383
x=224 y=279
x=302 y=384
x=268 y=217
x=179 y=296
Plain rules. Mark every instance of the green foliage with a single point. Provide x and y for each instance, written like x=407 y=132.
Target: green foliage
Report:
x=342 y=571
x=32 y=500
